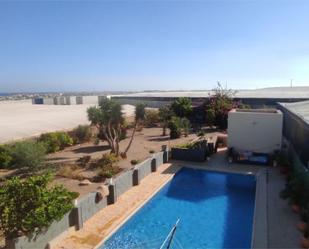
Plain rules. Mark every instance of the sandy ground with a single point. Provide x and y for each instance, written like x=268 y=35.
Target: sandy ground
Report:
x=144 y=141
x=21 y=119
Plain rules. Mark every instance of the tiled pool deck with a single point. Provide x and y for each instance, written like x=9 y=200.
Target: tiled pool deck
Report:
x=105 y=222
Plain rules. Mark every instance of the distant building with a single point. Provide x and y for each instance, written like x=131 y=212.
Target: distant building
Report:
x=59 y=100
x=258 y=98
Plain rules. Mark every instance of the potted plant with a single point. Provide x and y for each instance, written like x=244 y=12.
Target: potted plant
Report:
x=283 y=162
x=296 y=184
x=305 y=239
x=304 y=217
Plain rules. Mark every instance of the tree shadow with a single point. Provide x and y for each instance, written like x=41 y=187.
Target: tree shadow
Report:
x=91 y=149
x=56 y=159
x=158 y=139
x=171 y=169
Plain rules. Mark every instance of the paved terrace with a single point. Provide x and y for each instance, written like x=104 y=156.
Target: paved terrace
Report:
x=281 y=221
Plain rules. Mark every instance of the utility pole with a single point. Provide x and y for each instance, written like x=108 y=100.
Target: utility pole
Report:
x=291 y=83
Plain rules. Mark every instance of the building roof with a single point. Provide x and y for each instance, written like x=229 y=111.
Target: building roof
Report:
x=270 y=93
x=301 y=109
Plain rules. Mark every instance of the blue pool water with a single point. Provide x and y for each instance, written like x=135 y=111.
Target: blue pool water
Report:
x=215 y=211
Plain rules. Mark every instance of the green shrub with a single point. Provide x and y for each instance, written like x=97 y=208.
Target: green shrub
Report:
x=56 y=141
x=108 y=172
x=107 y=166
x=84 y=160
x=28 y=154
x=5 y=156
x=182 y=107
x=64 y=140
x=282 y=159
x=51 y=142
x=96 y=141
x=244 y=106
x=196 y=145
x=184 y=146
x=175 y=127
x=134 y=161
x=210 y=117
x=107 y=160
x=185 y=125
x=82 y=134
x=201 y=133
x=151 y=118
x=28 y=206
x=297 y=184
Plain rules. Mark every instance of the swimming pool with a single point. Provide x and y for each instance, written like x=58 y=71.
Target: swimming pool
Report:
x=215 y=211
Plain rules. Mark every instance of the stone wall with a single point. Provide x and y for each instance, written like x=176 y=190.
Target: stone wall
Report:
x=296 y=131
x=147 y=102
x=144 y=168
x=123 y=182
x=89 y=205
x=41 y=241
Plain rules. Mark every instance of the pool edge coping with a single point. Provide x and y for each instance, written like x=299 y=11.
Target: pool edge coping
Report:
x=260 y=221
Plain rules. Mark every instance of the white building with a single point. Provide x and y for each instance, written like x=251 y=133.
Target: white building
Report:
x=256 y=130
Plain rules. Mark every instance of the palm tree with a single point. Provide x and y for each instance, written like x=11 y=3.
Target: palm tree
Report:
x=182 y=107
x=165 y=114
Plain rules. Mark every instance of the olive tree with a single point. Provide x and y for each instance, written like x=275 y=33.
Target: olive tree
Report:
x=139 y=116
x=108 y=119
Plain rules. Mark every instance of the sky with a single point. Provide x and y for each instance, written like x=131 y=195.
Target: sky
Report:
x=152 y=45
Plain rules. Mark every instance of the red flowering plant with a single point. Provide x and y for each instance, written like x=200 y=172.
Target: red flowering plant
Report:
x=218 y=105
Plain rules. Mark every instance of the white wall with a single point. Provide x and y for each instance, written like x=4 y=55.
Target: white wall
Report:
x=48 y=101
x=148 y=103
x=255 y=131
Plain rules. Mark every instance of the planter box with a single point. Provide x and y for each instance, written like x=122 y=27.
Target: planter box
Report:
x=194 y=155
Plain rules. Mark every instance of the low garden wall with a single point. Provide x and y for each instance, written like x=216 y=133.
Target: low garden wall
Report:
x=92 y=203
x=41 y=240
x=143 y=169
x=123 y=182
x=161 y=157
x=88 y=206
